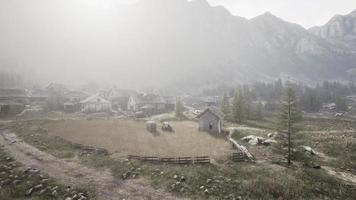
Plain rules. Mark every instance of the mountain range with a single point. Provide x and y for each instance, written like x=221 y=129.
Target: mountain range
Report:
x=175 y=43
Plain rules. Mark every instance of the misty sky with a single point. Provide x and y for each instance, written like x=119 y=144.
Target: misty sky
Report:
x=100 y=41
x=304 y=12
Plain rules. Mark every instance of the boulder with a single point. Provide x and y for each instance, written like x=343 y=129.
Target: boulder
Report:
x=268 y=142
x=272 y=135
x=29 y=192
x=308 y=149
x=253 y=140
x=54 y=193
x=248 y=138
x=39 y=186
x=42 y=191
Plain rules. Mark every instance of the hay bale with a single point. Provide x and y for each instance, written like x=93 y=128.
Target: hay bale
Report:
x=151 y=126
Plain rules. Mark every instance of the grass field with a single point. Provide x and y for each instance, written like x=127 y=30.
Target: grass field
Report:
x=223 y=179
x=124 y=136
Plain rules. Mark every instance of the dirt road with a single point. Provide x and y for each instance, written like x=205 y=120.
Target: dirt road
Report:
x=70 y=172
x=348 y=177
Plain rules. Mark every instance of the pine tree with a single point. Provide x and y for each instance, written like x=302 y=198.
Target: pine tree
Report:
x=259 y=111
x=238 y=107
x=289 y=116
x=179 y=108
x=225 y=105
x=248 y=110
x=341 y=104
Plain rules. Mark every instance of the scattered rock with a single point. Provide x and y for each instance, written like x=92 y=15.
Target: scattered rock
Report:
x=268 y=142
x=54 y=193
x=206 y=191
x=182 y=179
x=44 y=180
x=308 y=149
x=27 y=170
x=43 y=191
x=38 y=187
x=126 y=175
x=82 y=198
x=272 y=135
x=253 y=140
x=29 y=192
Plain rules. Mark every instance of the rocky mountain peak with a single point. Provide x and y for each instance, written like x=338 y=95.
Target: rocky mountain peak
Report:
x=353 y=13
x=341 y=30
x=201 y=3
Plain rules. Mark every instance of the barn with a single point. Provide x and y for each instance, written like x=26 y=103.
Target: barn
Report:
x=147 y=103
x=211 y=120
x=95 y=104
x=13 y=101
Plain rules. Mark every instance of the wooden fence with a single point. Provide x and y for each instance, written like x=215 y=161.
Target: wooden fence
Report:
x=171 y=160
x=239 y=157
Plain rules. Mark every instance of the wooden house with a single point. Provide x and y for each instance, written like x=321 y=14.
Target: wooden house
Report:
x=170 y=102
x=72 y=100
x=119 y=98
x=39 y=97
x=147 y=103
x=95 y=104
x=13 y=101
x=211 y=120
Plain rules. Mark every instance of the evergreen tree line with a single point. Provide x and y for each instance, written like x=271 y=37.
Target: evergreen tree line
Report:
x=289 y=114
x=241 y=108
x=10 y=80
x=310 y=98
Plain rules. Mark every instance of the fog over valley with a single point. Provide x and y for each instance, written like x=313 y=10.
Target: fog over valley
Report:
x=163 y=44
x=177 y=99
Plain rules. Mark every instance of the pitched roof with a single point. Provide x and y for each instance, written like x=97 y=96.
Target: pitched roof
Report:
x=39 y=93
x=114 y=92
x=76 y=94
x=148 y=98
x=14 y=93
x=56 y=87
x=214 y=110
x=94 y=99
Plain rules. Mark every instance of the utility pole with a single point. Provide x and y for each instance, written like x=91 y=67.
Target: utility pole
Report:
x=289 y=129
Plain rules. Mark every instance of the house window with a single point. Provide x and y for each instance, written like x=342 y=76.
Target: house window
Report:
x=98 y=100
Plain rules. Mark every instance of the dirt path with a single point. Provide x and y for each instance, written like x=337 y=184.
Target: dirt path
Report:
x=348 y=177
x=72 y=173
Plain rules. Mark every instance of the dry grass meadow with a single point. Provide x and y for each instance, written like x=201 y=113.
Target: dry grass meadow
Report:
x=124 y=136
